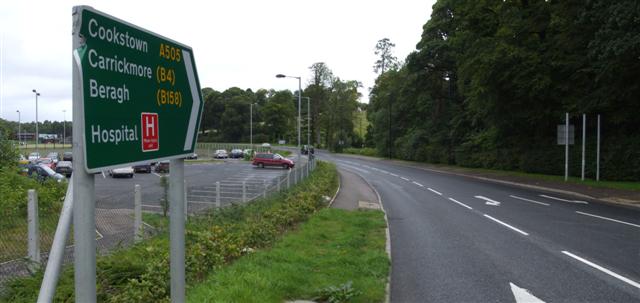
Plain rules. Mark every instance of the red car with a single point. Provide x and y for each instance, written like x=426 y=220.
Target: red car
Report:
x=263 y=159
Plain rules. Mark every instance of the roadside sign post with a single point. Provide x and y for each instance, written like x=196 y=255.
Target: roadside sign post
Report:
x=136 y=98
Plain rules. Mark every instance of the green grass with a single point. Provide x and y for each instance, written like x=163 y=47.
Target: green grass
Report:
x=366 y=151
x=282 y=152
x=331 y=249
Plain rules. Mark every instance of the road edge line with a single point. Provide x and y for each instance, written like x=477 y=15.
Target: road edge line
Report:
x=602 y=269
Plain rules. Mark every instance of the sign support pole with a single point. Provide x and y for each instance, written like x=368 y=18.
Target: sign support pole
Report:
x=176 y=230
x=84 y=222
x=566 y=147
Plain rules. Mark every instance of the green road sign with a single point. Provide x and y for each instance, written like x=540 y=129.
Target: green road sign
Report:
x=141 y=94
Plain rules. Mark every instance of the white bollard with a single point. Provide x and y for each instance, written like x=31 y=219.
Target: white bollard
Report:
x=137 y=210
x=218 y=194
x=34 y=237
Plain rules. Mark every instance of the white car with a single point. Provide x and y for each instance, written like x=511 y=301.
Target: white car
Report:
x=34 y=156
x=221 y=153
x=266 y=145
x=122 y=171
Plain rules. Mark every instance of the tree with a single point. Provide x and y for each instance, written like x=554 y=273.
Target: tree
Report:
x=318 y=90
x=387 y=60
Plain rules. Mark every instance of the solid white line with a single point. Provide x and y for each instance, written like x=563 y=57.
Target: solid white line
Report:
x=435 y=191
x=416 y=183
x=507 y=225
x=403 y=178
x=394 y=175
x=462 y=204
x=564 y=200
x=598 y=267
x=528 y=200
x=605 y=218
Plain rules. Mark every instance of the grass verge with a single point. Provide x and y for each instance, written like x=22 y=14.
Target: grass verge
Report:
x=336 y=256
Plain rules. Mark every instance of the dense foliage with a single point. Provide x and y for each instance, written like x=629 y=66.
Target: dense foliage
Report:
x=491 y=80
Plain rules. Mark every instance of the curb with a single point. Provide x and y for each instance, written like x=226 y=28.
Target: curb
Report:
x=337 y=191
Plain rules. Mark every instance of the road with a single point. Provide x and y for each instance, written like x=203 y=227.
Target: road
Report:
x=457 y=239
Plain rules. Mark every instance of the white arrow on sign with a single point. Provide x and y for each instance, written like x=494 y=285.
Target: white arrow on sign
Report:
x=195 y=96
x=523 y=295
x=488 y=201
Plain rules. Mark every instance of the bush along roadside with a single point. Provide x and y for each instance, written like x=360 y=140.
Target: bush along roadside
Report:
x=141 y=273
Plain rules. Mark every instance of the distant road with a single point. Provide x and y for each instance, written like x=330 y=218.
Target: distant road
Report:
x=457 y=239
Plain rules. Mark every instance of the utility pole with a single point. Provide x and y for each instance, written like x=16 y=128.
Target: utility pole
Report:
x=37 y=135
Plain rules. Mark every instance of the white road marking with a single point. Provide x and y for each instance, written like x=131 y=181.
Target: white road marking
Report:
x=156 y=206
x=523 y=295
x=416 y=183
x=460 y=203
x=103 y=176
x=528 y=200
x=605 y=218
x=488 y=201
x=434 y=191
x=403 y=178
x=600 y=268
x=394 y=175
x=564 y=200
x=505 y=224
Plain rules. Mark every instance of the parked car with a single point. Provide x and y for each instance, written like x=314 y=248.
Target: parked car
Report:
x=43 y=172
x=64 y=168
x=266 y=145
x=162 y=167
x=33 y=157
x=193 y=156
x=237 y=153
x=221 y=154
x=122 y=171
x=67 y=156
x=47 y=161
x=54 y=156
x=265 y=159
x=306 y=149
x=142 y=168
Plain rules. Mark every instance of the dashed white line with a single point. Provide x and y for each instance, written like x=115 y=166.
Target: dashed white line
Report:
x=529 y=200
x=460 y=203
x=434 y=191
x=394 y=175
x=564 y=200
x=416 y=183
x=505 y=224
x=605 y=218
x=600 y=268
x=403 y=178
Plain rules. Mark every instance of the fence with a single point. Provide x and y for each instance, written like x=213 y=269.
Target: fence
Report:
x=116 y=228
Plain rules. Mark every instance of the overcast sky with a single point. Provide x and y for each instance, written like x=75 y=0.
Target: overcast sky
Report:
x=235 y=43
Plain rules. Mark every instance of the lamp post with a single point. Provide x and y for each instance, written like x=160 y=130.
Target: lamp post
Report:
x=299 y=99
x=37 y=135
x=18 y=111
x=251 y=125
x=64 y=127
x=308 y=121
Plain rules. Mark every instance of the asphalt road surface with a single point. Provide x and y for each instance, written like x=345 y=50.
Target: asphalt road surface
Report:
x=457 y=239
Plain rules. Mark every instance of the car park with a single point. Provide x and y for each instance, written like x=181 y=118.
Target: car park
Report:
x=142 y=168
x=221 y=154
x=67 y=156
x=33 y=157
x=266 y=159
x=162 y=167
x=237 y=153
x=64 y=168
x=122 y=171
x=43 y=172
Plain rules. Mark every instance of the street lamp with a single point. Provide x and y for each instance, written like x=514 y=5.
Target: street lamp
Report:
x=308 y=121
x=37 y=136
x=18 y=111
x=64 y=127
x=299 y=99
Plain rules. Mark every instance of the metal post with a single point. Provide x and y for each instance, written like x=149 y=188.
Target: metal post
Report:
x=137 y=211
x=295 y=176
x=308 y=123
x=84 y=222
x=299 y=107
x=54 y=264
x=584 y=135
x=288 y=179
x=566 y=148
x=251 y=124
x=218 y=194
x=264 y=191
x=278 y=184
x=244 y=191
x=34 y=237
x=186 y=203
x=598 y=153
x=176 y=231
